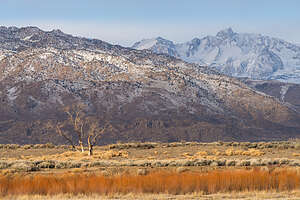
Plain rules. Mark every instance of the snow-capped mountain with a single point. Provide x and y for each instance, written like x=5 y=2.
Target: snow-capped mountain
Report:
x=237 y=54
x=144 y=96
x=157 y=45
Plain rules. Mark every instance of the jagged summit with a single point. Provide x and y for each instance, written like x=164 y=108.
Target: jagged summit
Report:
x=57 y=32
x=161 y=39
x=226 y=33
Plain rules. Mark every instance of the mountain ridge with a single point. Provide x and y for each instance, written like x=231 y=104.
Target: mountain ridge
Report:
x=239 y=54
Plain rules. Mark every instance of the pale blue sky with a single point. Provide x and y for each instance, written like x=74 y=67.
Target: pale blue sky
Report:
x=126 y=21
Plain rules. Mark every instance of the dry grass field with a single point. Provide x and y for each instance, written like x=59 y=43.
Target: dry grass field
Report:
x=183 y=170
x=159 y=182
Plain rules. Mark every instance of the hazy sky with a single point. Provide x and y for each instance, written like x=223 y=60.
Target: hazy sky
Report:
x=126 y=21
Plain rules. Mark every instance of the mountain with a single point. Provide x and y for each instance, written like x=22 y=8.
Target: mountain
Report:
x=143 y=95
x=238 y=54
x=157 y=45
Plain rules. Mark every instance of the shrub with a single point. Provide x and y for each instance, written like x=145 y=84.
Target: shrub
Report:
x=27 y=146
x=24 y=166
x=12 y=146
x=67 y=165
x=46 y=164
x=250 y=152
x=50 y=145
x=201 y=154
x=230 y=162
x=253 y=152
x=243 y=163
x=214 y=164
x=38 y=146
x=133 y=145
x=283 y=146
x=283 y=161
x=62 y=165
x=255 y=162
x=4 y=165
x=297 y=146
x=267 y=161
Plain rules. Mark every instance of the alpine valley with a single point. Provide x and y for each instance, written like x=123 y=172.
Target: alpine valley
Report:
x=147 y=96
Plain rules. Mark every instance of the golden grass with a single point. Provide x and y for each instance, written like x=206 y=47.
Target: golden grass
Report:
x=229 y=152
x=250 y=152
x=154 y=183
x=76 y=155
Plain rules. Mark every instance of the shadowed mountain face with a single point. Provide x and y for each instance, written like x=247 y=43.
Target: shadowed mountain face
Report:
x=145 y=96
x=236 y=54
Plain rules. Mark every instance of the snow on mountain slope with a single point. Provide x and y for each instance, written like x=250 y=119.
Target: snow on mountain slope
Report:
x=157 y=45
x=145 y=44
x=239 y=54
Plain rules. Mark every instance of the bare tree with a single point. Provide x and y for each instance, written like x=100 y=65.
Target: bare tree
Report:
x=94 y=133
x=76 y=118
x=83 y=126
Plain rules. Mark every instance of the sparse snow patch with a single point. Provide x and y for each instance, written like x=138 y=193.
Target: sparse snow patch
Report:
x=2 y=57
x=283 y=91
x=12 y=94
x=27 y=38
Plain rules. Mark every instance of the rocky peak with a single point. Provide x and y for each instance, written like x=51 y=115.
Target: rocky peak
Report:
x=149 y=43
x=57 y=32
x=157 y=45
x=226 y=33
x=196 y=41
x=163 y=41
x=32 y=29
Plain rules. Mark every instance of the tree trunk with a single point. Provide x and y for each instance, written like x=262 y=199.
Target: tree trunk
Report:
x=74 y=148
x=90 y=150
x=81 y=146
x=90 y=146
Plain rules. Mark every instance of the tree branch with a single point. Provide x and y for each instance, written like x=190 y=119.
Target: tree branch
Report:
x=60 y=132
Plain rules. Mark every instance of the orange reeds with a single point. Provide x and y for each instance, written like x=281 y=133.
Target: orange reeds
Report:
x=156 y=182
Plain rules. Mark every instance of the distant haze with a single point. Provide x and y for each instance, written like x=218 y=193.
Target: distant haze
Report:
x=125 y=22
